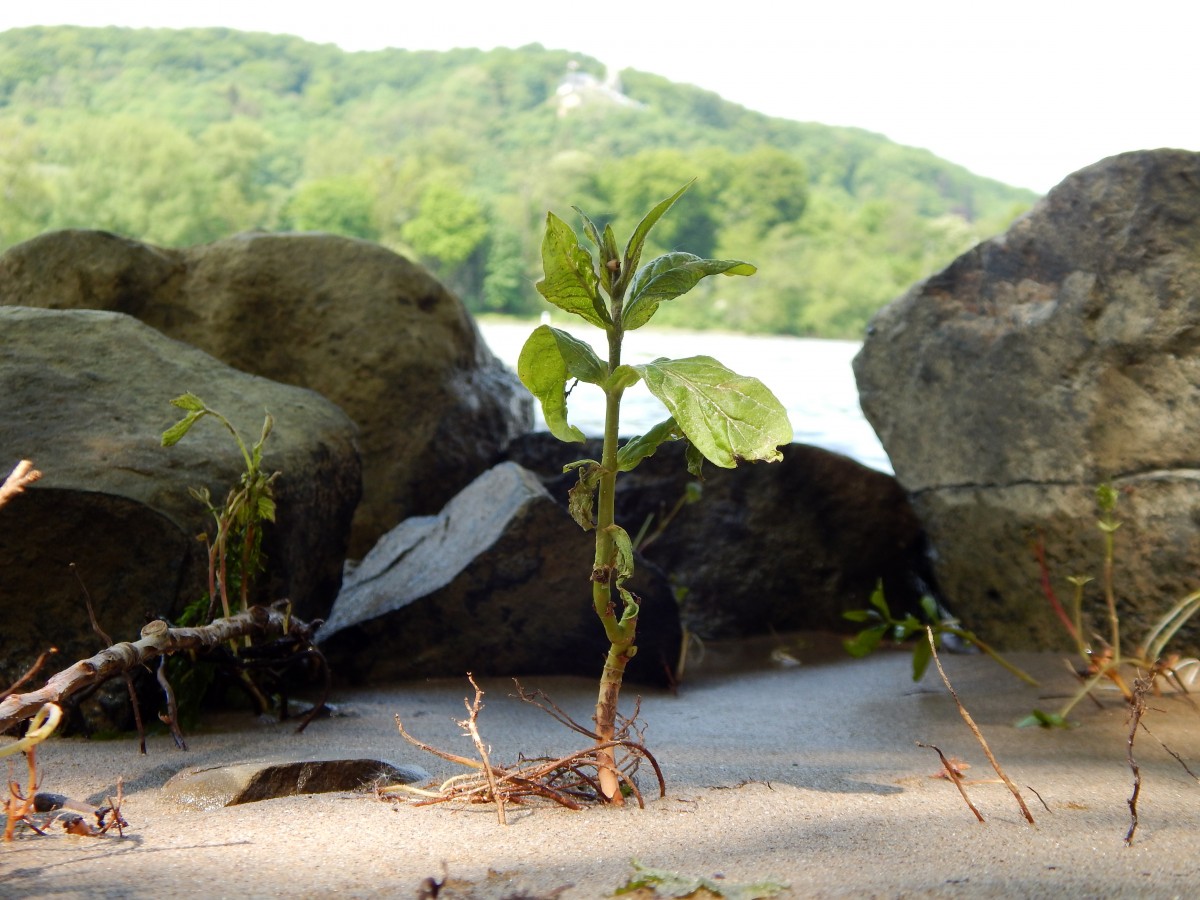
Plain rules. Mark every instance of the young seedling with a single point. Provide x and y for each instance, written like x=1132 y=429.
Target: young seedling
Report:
x=1103 y=658
x=881 y=622
x=239 y=521
x=723 y=416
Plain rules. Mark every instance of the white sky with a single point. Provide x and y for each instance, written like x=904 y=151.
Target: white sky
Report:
x=1022 y=91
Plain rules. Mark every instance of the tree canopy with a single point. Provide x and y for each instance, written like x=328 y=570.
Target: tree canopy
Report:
x=188 y=136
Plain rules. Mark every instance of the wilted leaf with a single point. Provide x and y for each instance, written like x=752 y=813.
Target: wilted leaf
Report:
x=670 y=276
x=581 y=499
x=726 y=416
x=665 y=883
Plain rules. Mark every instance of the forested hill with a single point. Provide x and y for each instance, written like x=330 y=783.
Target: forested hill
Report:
x=183 y=137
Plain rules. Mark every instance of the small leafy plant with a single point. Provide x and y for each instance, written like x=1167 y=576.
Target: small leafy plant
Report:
x=235 y=549
x=1103 y=658
x=881 y=622
x=724 y=417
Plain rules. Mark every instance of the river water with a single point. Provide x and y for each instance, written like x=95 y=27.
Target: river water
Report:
x=812 y=378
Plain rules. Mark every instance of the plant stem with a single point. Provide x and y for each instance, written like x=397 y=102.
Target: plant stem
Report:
x=970 y=638
x=620 y=634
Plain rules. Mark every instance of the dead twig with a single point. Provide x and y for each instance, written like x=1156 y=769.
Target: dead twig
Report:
x=952 y=774
x=28 y=676
x=20 y=478
x=1137 y=708
x=157 y=639
x=975 y=730
x=103 y=635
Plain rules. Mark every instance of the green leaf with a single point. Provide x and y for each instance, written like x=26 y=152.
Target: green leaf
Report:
x=644 y=446
x=878 y=601
x=593 y=235
x=865 y=641
x=622 y=378
x=906 y=627
x=266 y=509
x=633 y=250
x=695 y=461
x=1043 y=720
x=726 y=416
x=860 y=615
x=175 y=433
x=930 y=608
x=190 y=402
x=543 y=370
x=570 y=282
x=922 y=655
x=668 y=277
x=582 y=361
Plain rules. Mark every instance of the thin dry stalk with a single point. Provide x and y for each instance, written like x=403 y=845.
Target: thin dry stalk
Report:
x=29 y=675
x=20 y=478
x=955 y=777
x=103 y=635
x=975 y=731
x=1137 y=708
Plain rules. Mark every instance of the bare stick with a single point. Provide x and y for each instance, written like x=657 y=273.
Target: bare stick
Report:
x=171 y=718
x=33 y=670
x=19 y=479
x=955 y=777
x=157 y=639
x=975 y=730
x=1137 y=707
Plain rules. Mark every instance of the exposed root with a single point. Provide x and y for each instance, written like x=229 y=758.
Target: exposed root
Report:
x=20 y=478
x=953 y=774
x=571 y=781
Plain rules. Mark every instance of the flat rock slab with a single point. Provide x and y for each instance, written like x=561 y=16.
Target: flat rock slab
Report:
x=212 y=787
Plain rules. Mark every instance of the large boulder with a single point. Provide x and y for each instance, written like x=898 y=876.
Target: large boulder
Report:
x=351 y=320
x=85 y=396
x=1060 y=355
x=766 y=548
x=495 y=584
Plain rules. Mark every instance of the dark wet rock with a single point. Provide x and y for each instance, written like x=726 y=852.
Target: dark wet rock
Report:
x=496 y=584
x=767 y=547
x=85 y=397
x=1059 y=355
x=212 y=787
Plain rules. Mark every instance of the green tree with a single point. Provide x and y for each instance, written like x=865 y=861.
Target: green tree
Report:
x=341 y=205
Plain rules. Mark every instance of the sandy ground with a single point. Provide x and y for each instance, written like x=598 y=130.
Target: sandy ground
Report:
x=807 y=775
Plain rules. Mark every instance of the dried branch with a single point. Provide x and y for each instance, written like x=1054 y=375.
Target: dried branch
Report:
x=975 y=730
x=952 y=772
x=28 y=676
x=19 y=479
x=157 y=639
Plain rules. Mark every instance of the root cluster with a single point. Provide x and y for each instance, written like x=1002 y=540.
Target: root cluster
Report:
x=571 y=781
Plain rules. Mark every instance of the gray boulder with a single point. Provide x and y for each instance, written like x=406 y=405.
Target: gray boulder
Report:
x=766 y=548
x=1059 y=355
x=85 y=395
x=496 y=584
x=351 y=320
